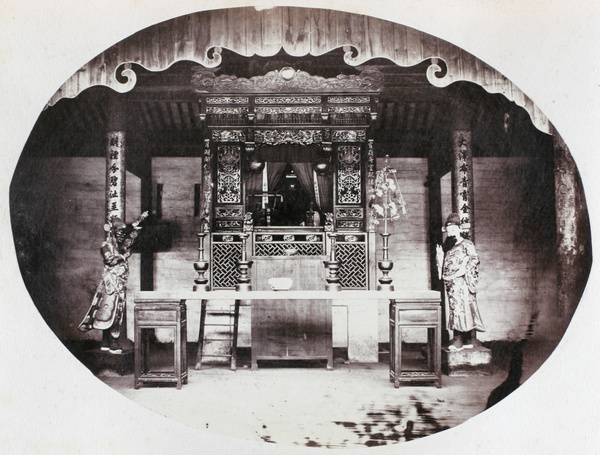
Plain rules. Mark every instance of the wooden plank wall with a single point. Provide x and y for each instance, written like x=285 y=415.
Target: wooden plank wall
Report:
x=409 y=242
x=60 y=230
x=66 y=208
x=514 y=235
x=60 y=213
x=173 y=269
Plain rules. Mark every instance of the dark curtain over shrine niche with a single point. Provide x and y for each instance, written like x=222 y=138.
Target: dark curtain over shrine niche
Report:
x=302 y=159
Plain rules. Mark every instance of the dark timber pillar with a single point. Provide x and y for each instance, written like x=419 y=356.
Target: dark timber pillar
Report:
x=371 y=219
x=139 y=163
x=146 y=251
x=116 y=177
x=462 y=173
x=572 y=232
x=435 y=171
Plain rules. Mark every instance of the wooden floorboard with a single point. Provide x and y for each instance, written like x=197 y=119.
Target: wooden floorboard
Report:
x=352 y=406
x=303 y=404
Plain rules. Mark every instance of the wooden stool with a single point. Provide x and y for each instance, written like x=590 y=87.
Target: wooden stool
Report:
x=161 y=314
x=404 y=315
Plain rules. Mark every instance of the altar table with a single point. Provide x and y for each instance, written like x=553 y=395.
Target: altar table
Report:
x=411 y=299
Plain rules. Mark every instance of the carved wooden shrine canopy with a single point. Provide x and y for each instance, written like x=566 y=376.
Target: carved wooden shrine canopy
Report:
x=288 y=107
x=331 y=119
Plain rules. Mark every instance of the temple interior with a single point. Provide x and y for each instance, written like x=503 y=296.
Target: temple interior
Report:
x=268 y=154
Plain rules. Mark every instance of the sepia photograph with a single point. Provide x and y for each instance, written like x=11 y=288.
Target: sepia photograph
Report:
x=278 y=228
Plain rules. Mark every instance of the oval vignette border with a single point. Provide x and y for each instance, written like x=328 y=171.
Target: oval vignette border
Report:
x=55 y=354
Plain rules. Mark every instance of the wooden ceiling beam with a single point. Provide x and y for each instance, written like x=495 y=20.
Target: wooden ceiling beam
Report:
x=174 y=111
x=146 y=116
x=187 y=116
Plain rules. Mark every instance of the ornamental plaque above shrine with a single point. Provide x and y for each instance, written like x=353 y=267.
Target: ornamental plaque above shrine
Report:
x=287 y=80
x=288 y=97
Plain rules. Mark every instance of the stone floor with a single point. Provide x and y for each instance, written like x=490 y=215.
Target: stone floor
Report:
x=352 y=406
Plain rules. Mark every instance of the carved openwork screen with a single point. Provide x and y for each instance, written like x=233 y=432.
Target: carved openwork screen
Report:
x=288 y=145
x=229 y=184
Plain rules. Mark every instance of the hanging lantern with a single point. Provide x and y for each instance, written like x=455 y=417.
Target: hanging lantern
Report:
x=321 y=167
x=256 y=166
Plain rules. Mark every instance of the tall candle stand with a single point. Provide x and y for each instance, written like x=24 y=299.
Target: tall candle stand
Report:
x=385 y=265
x=389 y=207
x=244 y=265
x=332 y=266
x=201 y=266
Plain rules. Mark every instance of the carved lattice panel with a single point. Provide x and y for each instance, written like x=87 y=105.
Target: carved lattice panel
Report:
x=278 y=249
x=229 y=177
x=349 y=188
x=353 y=270
x=224 y=264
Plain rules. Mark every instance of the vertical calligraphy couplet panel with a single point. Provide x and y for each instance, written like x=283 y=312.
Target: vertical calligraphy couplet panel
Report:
x=207 y=183
x=463 y=181
x=115 y=175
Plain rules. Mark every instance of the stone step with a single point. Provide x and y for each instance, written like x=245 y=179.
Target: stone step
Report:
x=468 y=362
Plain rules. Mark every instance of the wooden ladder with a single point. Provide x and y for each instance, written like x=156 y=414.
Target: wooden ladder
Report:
x=225 y=323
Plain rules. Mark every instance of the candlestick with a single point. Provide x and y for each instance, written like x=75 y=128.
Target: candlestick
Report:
x=244 y=266
x=201 y=266
x=333 y=266
x=385 y=265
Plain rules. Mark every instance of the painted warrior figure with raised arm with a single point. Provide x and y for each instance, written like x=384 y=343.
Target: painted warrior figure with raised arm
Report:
x=108 y=304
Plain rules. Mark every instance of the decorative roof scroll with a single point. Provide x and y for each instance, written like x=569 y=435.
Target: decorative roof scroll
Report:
x=200 y=37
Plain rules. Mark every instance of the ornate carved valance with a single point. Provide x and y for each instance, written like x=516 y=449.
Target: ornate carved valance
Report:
x=229 y=135
x=298 y=137
x=287 y=80
x=349 y=135
x=287 y=100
